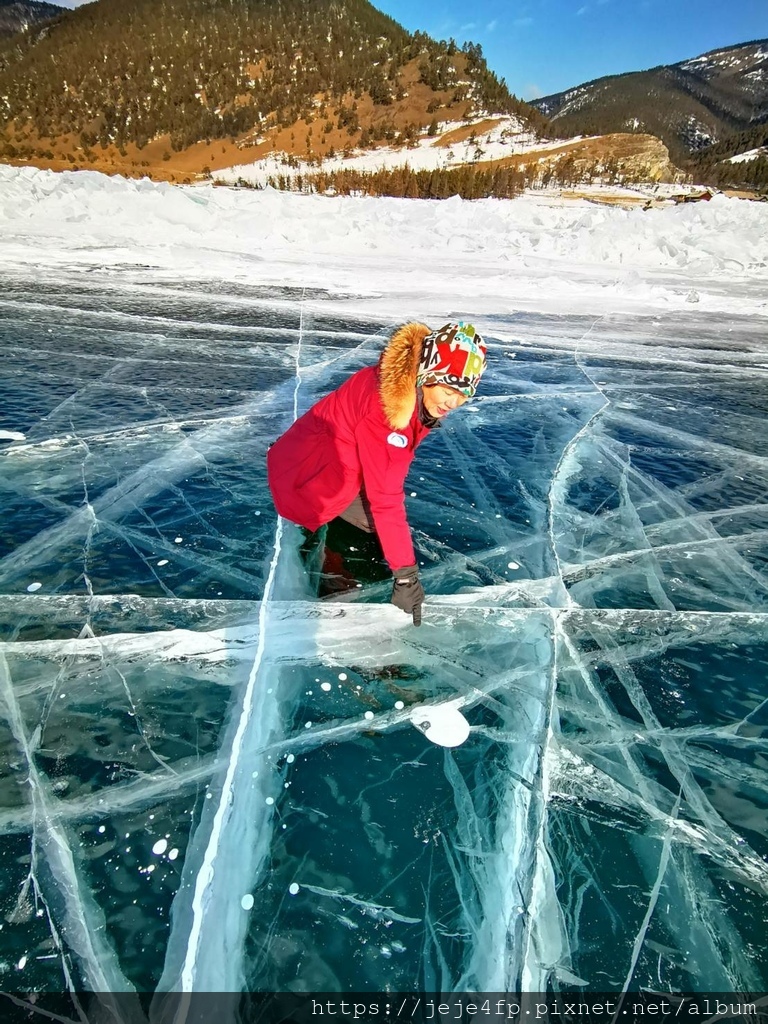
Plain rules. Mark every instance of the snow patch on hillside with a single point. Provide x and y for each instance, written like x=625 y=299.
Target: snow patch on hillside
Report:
x=750 y=154
x=507 y=137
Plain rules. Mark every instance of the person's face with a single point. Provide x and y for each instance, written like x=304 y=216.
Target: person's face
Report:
x=439 y=399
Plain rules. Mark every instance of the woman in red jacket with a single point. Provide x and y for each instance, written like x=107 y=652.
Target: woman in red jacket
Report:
x=348 y=456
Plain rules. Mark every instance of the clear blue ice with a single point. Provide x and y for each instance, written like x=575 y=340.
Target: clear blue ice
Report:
x=211 y=781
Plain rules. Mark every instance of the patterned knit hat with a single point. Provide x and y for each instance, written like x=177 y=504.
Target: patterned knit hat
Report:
x=454 y=356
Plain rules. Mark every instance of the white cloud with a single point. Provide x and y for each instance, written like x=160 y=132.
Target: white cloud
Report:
x=491 y=26
x=532 y=91
x=522 y=22
x=582 y=10
x=468 y=27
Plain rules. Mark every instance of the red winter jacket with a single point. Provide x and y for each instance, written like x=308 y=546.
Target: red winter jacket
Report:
x=364 y=434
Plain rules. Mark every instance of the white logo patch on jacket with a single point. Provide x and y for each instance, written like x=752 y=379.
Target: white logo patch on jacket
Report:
x=398 y=440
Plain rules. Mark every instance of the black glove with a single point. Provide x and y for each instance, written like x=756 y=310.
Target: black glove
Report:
x=408 y=593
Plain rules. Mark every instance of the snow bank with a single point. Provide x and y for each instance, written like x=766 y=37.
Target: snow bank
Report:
x=532 y=252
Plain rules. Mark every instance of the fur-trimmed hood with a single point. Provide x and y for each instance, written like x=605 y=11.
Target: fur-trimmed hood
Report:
x=398 y=369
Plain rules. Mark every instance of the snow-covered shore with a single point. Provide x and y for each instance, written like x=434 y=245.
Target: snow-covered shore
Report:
x=534 y=252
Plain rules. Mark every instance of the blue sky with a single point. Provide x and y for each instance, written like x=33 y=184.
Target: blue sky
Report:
x=544 y=46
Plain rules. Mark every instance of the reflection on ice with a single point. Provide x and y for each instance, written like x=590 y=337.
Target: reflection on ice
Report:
x=213 y=781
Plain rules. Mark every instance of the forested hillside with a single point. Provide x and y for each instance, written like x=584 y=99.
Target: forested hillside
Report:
x=118 y=74
x=738 y=161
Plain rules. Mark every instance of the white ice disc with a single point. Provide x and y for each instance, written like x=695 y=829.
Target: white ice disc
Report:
x=441 y=724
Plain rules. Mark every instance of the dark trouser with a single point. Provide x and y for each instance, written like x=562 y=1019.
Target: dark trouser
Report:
x=359 y=514
x=346 y=553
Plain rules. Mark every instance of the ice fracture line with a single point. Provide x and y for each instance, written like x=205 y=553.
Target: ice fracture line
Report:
x=202 y=893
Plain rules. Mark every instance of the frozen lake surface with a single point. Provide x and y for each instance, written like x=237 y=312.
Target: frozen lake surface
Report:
x=212 y=781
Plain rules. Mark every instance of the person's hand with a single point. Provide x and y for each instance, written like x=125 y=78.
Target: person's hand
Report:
x=408 y=593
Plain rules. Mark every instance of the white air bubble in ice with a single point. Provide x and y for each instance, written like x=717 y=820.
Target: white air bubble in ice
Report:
x=247 y=901
x=441 y=724
x=163 y=561
x=368 y=714
x=293 y=888
x=160 y=846
x=325 y=686
x=33 y=587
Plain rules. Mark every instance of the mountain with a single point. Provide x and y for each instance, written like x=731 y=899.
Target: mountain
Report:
x=127 y=82
x=19 y=16
x=689 y=106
